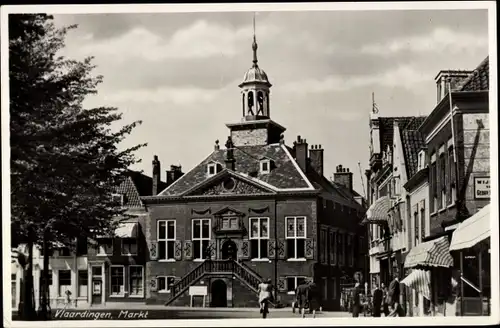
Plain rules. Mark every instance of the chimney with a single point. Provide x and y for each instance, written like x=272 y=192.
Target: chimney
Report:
x=174 y=174
x=343 y=177
x=455 y=78
x=316 y=155
x=230 y=154
x=300 y=147
x=156 y=175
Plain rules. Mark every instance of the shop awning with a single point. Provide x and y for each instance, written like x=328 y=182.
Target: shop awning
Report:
x=420 y=281
x=127 y=230
x=472 y=231
x=377 y=212
x=434 y=253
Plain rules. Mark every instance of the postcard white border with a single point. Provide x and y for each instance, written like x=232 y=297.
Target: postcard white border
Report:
x=148 y=8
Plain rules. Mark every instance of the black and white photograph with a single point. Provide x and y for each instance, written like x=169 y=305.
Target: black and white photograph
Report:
x=298 y=164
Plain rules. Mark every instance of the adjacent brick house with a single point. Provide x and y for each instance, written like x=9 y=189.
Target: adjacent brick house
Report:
x=252 y=210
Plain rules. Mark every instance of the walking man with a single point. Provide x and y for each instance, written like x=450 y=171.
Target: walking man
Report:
x=394 y=290
x=302 y=296
x=313 y=298
x=385 y=300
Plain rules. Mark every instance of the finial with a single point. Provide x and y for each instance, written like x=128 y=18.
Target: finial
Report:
x=254 y=44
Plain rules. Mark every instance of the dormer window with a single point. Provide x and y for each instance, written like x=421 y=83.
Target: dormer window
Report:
x=265 y=166
x=211 y=169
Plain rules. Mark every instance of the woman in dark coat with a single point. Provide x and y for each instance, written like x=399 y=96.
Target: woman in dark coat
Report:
x=313 y=298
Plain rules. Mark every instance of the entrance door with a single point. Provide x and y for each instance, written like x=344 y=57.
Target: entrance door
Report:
x=229 y=250
x=97 y=285
x=96 y=291
x=218 y=294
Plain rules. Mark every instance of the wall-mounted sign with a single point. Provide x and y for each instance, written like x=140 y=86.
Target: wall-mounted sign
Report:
x=482 y=188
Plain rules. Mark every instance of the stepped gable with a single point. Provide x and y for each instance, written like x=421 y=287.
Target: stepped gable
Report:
x=479 y=80
x=412 y=141
x=284 y=173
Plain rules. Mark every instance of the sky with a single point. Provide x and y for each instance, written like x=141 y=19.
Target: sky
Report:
x=179 y=73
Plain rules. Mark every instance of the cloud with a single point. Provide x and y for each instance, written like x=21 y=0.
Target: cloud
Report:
x=404 y=76
x=199 y=40
x=440 y=40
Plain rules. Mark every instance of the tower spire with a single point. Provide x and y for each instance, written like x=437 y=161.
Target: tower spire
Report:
x=254 y=44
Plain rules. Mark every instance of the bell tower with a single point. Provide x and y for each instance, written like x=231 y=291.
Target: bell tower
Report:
x=256 y=127
x=255 y=88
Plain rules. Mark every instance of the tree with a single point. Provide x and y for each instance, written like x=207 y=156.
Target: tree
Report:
x=65 y=160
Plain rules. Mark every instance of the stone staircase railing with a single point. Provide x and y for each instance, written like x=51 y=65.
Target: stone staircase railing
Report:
x=209 y=267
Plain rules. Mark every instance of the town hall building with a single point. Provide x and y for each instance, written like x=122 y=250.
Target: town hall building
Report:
x=254 y=209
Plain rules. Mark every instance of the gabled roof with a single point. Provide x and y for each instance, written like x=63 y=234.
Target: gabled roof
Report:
x=285 y=176
x=479 y=79
x=136 y=185
x=412 y=141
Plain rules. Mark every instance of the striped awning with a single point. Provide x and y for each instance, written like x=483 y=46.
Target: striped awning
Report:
x=434 y=253
x=420 y=281
x=377 y=212
x=127 y=230
x=472 y=231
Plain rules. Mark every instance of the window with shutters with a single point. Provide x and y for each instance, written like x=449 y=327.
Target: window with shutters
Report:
x=259 y=236
x=201 y=238
x=165 y=284
x=166 y=239
x=295 y=237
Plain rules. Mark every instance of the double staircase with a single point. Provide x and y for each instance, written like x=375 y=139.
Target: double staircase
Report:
x=216 y=267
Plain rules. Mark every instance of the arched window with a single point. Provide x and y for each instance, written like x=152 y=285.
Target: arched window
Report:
x=260 y=103
x=250 y=103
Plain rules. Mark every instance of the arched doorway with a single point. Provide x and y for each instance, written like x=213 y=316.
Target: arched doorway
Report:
x=229 y=250
x=218 y=294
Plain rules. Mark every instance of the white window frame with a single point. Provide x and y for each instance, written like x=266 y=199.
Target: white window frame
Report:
x=201 y=238
x=130 y=281
x=78 y=283
x=292 y=292
x=259 y=237
x=166 y=239
x=166 y=290
x=111 y=281
x=268 y=163
x=99 y=247
x=59 y=293
x=209 y=166
x=122 y=240
x=295 y=237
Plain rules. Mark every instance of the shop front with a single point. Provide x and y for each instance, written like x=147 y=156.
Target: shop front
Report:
x=471 y=244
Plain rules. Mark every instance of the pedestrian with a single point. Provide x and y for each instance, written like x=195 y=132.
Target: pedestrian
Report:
x=265 y=293
x=356 y=300
x=396 y=310
x=378 y=296
x=394 y=290
x=302 y=296
x=313 y=298
x=385 y=300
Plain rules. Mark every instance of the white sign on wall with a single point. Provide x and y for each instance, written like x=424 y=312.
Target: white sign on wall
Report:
x=198 y=291
x=482 y=188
